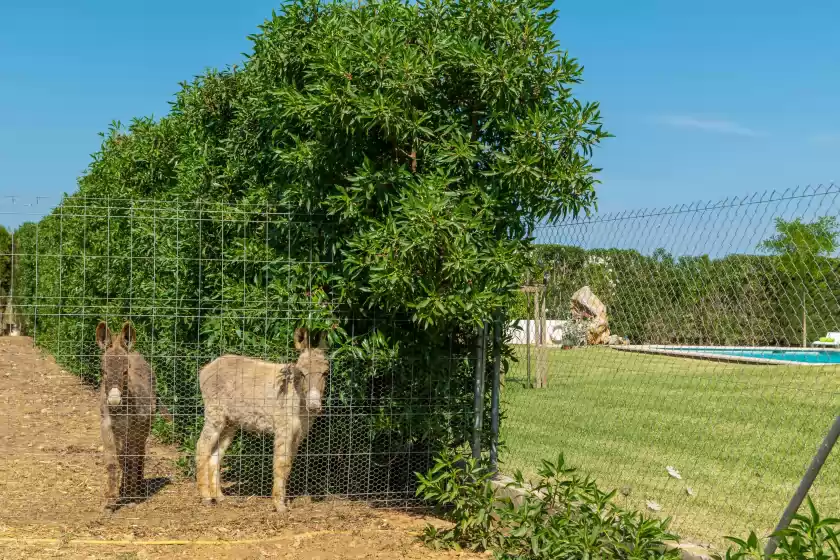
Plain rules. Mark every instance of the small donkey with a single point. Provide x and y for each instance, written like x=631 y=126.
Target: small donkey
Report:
x=263 y=397
x=127 y=405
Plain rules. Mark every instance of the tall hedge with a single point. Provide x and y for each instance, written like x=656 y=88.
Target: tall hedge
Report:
x=372 y=168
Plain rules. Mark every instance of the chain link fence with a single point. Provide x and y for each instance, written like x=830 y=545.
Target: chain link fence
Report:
x=707 y=373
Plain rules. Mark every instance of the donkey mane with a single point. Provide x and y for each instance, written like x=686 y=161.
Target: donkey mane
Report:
x=287 y=375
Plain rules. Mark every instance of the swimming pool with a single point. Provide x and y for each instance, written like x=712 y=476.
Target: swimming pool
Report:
x=788 y=356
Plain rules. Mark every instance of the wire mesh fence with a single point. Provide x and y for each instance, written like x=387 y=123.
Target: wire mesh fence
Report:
x=668 y=357
x=145 y=299
x=690 y=357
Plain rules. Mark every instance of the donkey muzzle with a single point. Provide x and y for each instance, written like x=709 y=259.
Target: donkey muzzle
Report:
x=114 y=397
x=313 y=401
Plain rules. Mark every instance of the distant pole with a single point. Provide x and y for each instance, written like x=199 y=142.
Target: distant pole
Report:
x=804 y=323
x=528 y=338
x=806 y=483
x=537 y=337
x=544 y=333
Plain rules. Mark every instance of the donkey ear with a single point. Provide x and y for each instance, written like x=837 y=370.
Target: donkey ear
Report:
x=128 y=335
x=301 y=338
x=322 y=341
x=103 y=335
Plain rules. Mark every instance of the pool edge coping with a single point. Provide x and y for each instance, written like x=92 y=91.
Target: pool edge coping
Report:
x=659 y=350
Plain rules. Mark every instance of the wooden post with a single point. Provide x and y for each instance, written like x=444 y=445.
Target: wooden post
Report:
x=545 y=339
x=804 y=324
x=540 y=338
x=528 y=338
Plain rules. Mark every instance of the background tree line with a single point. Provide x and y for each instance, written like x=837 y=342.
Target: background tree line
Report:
x=735 y=300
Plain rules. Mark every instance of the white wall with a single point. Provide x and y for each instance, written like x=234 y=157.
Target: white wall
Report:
x=518 y=336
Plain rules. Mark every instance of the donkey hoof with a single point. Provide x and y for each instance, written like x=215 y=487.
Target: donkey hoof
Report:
x=280 y=507
x=208 y=501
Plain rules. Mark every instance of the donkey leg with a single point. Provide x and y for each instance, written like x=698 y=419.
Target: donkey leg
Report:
x=112 y=467
x=136 y=450
x=225 y=439
x=204 y=448
x=284 y=453
x=112 y=485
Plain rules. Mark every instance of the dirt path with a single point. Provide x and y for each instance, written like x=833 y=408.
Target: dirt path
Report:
x=51 y=478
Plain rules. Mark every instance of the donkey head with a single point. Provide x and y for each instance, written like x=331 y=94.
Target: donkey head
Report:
x=115 y=360
x=313 y=365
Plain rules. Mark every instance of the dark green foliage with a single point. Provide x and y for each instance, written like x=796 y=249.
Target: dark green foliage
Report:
x=371 y=169
x=5 y=264
x=809 y=537
x=562 y=517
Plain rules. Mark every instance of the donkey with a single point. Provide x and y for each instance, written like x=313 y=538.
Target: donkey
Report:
x=127 y=403
x=262 y=397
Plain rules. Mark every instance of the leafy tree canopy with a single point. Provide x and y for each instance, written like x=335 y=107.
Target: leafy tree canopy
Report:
x=430 y=134
x=376 y=165
x=795 y=237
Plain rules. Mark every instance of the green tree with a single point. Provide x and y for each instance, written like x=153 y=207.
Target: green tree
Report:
x=802 y=241
x=802 y=248
x=5 y=264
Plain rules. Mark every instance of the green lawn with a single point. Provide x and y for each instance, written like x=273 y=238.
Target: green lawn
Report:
x=740 y=435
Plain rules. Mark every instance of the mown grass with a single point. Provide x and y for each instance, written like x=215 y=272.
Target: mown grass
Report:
x=740 y=435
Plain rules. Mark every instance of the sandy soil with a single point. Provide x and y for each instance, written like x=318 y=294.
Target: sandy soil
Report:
x=52 y=477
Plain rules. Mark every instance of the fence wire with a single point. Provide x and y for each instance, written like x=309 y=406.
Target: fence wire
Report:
x=703 y=374
x=678 y=377
x=198 y=281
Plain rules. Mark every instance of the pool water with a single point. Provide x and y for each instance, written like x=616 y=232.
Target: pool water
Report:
x=802 y=356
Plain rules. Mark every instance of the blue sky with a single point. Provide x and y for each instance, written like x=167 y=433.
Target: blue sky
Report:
x=706 y=99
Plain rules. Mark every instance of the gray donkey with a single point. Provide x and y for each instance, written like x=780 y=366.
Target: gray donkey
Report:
x=127 y=405
x=262 y=397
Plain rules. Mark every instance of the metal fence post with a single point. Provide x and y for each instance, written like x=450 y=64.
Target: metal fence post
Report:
x=805 y=485
x=494 y=395
x=478 y=401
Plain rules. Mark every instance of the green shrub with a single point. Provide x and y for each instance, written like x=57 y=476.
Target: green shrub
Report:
x=563 y=516
x=808 y=537
x=371 y=169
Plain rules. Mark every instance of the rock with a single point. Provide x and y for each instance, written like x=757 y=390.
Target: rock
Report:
x=615 y=340
x=588 y=309
x=558 y=335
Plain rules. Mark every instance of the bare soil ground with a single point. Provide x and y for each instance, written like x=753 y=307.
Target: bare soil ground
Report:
x=51 y=485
